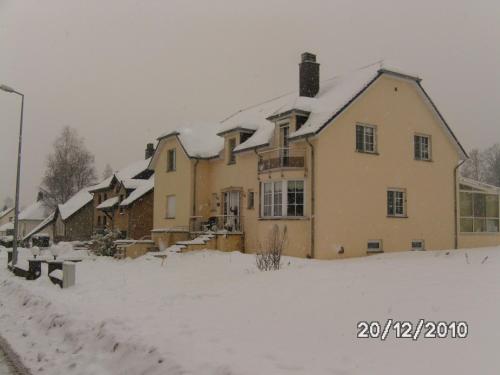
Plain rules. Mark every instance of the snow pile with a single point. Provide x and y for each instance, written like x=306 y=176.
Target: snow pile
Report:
x=75 y=203
x=7 y=226
x=212 y=313
x=57 y=274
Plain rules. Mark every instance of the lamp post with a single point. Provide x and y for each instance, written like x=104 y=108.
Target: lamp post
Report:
x=16 y=209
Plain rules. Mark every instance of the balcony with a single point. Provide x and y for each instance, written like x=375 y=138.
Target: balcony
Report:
x=282 y=158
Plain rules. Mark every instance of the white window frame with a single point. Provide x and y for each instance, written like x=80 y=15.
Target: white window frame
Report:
x=284 y=199
x=168 y=214
x=396 y=191
x=171 y=160
x=420 y=145
x=374 y=143
x=474 y=217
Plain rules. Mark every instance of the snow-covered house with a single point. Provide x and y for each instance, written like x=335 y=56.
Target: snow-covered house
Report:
x=356 y=164
x=42 y=234
x=7 y=216
x=74 y=219
x=110 y=193
x=31 y=217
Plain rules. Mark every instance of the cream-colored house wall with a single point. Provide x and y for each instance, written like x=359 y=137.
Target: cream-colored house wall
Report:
x=178 y=183
x=7 y=218
x=471 y=240
x=351 y=187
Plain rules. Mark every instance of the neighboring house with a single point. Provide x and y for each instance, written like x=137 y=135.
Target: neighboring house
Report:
x=135 y=212
x=31 y=217
x=7 y=216
x=357 y=164
x=109 y=194
x=42 y=234
x=74 y=219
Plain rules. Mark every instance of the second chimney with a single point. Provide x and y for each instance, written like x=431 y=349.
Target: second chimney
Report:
x=150 y=150
x=308 y=75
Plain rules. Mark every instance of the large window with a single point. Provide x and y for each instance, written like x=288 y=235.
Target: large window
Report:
x=422 y=147
x=283 y=198
x=366 y=140
x=171 y=160
x=170 y=206
x=479 y=212
x=396 y=202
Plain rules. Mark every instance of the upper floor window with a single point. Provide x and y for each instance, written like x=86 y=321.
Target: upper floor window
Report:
x=232 y=146
x=366 y=138
x=244 y=136
x=396 y=202
x=171 y=160
x=422 y=144
x=283 y=198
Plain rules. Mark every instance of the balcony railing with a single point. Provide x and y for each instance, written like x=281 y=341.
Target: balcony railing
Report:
x=230 y=223
x=280 y=158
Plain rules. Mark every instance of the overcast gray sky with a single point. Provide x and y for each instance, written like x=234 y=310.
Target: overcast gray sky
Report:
x=124 y=71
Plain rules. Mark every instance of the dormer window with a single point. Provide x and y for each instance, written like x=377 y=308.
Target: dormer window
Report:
x=299 y=121
x=231 y=155
x=244 y=136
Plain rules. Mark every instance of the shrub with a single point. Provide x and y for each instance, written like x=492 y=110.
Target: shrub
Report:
x=269 y=258
x=104 y=243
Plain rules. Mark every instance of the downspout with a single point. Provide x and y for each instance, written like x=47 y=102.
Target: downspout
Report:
x=313 y=198
x=455 y=180
x=194 y=186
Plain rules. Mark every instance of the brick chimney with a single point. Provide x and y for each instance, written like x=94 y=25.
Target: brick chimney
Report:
x=150 y=150
x=308 y=75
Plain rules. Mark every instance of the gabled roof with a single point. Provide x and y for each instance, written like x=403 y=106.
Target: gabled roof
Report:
x=145 y=187
x=198 y=141
x=6 y=212
x=41 y=226
x=75 y=203
x=36 y=211
x=130 y=171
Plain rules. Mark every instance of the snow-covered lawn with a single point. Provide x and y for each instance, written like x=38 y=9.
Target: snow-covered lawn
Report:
x=214 y=313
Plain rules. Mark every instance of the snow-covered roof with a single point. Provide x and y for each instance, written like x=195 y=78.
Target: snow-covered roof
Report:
x=6 y=212
x=145 y=187
x=76 y=202
x=128 y=172
x=478 y=184
x=199 y=140
x=6 y=226
x=132 y=183
x=36 y=211
x=108 y=203
x=41 y=226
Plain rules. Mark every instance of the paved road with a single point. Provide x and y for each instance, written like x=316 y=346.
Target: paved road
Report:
x=5 y=368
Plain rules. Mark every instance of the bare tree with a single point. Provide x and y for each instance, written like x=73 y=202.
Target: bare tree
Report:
x=491 y=157
x=269 y=258
x=70 y=167
x=474 y=167
x=108 y=171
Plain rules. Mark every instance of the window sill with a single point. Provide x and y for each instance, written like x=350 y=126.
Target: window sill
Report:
x=169 y=217
x=367 y=152
x=283 y=218
x=374 y=251
x=231 y=163
x=426 y=160
x=397 y=217
x=480 y=233
x=173 y=170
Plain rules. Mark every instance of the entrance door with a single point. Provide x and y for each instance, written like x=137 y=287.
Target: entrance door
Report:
x=231 y=210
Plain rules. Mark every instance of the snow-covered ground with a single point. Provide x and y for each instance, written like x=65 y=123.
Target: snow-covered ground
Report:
x=213 y=313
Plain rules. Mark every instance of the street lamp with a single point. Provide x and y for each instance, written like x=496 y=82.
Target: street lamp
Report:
x=16 y=209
